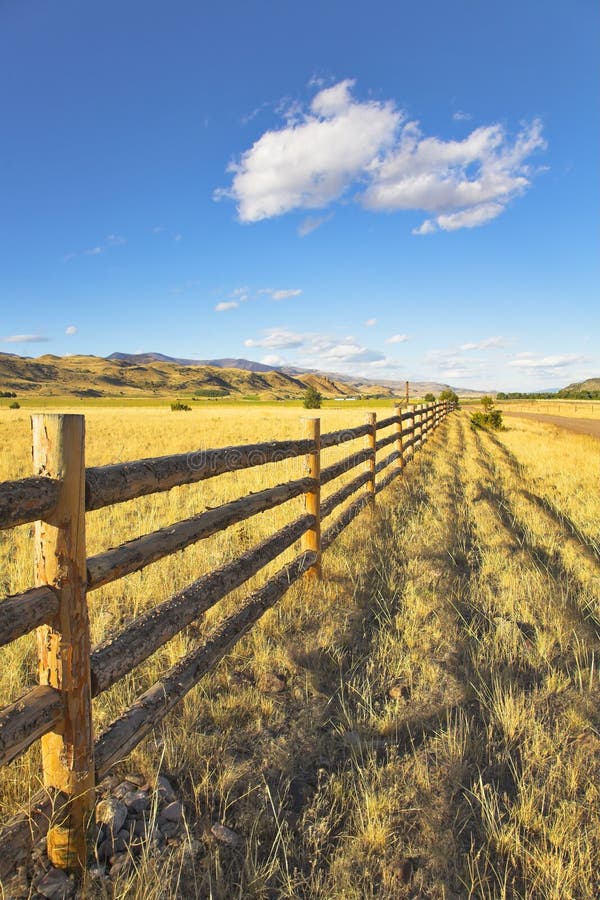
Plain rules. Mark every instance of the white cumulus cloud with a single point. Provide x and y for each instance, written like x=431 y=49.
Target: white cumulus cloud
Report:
x=71 y=329
x=465 y=182
x=350 y=352
x=397 y=339
x=312 y=162
x=273 y=359
x=369 y=151
x=277 y=338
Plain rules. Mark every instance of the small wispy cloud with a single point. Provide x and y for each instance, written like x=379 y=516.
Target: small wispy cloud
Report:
x=486 y=343
x=178 y=237
x=397 y=339
x=225 y=305
x=370 y=322
x=280 y=294
x=25 y=339
x=110 y=241
x=71 y=329
x=311 y=223
x=255 y=112
x=426 y=227
x=531 y=362
x=286 y=294
x=460 y=116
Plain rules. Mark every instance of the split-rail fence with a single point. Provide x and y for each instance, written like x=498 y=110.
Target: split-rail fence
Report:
x=71 y=672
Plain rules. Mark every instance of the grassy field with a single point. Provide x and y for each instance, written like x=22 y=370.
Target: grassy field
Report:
x=583 y=409
x=438 y=735
x=71 y=404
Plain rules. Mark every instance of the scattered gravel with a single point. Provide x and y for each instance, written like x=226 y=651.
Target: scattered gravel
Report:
x=132 y=815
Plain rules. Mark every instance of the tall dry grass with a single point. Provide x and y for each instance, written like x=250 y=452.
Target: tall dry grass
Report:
x=438 y=735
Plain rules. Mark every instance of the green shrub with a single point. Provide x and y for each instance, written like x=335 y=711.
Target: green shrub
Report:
x=178 y=406
x=491 y=419
x=14 y=405
x=312 y=399
x=429 y=398
x=450 y=395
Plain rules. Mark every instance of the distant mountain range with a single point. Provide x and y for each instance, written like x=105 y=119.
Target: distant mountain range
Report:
x=152 y=374
x=156 y=374
x=366 y=385
x=225 y=363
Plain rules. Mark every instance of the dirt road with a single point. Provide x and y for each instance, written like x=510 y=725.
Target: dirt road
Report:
x=582 y=426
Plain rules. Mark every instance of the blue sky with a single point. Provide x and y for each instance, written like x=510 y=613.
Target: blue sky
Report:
x=395 y=189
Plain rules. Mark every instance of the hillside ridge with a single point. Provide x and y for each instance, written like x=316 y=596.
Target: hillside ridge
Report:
x=149 y=374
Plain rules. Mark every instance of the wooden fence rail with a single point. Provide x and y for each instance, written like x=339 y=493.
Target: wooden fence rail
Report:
x=59 y=709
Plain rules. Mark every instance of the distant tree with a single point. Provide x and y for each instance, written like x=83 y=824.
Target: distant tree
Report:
x=487 y=403
x=312 y=398
x=14 y=405
x=430 y=398
x=450 y=395
x=178 y=406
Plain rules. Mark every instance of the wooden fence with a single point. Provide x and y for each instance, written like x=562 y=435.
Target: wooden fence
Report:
x=71 y=673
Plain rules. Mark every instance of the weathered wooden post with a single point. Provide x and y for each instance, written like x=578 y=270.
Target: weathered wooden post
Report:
x=418 y=426
x=64 y=644
x=371 y=444
x=399 y=442
x=311 y=540
x=415 y=427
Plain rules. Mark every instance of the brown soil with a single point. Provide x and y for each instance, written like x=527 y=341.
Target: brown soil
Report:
x=582 y=426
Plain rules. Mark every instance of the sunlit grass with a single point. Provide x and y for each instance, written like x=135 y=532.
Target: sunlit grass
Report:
x=437 y=734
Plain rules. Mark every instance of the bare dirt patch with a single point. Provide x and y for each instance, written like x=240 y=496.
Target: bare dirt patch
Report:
x=581 y=426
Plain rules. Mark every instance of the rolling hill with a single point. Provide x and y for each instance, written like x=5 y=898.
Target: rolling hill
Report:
x=94 y=376
x=154 y=374
x=590 y=384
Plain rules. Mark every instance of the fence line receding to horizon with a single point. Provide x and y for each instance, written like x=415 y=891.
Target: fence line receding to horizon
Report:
x=58 y=711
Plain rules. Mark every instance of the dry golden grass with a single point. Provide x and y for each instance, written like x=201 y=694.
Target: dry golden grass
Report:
x=580 y=409
x=439 y=731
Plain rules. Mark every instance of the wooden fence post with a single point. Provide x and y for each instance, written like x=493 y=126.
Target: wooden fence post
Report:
x=311 y=539
x=64 y=645
x=400 y=462
x=370 y=444
x=411 y=423
x=414 y=428
x=419 y=413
